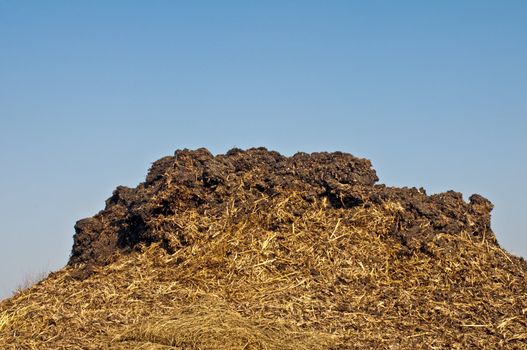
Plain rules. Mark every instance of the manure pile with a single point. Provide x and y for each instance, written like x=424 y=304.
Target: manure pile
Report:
x=254 y=250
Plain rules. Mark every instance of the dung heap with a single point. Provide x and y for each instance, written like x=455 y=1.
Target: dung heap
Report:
x=255 y=250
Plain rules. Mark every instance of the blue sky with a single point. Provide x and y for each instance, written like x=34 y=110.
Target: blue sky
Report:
x=92 y=92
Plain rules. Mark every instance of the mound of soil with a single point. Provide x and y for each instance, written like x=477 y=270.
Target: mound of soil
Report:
x=253 y=250
x=197 y=180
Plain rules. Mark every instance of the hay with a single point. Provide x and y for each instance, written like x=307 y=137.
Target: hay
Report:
x=205 y=326
x=284 y=271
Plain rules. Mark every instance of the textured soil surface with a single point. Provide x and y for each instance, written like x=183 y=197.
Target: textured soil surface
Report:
x=196 y=180
x=255 y=250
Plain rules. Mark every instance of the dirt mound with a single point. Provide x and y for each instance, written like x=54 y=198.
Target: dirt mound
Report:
x=196 y=180
x=254 y=250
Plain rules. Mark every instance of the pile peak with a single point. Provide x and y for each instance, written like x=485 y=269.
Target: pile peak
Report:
x=197 y=180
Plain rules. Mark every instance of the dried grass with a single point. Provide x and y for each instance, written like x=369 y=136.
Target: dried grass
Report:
x=4 y=320
x=206 y=326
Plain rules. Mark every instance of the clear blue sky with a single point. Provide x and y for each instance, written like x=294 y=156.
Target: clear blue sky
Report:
x=91 y=92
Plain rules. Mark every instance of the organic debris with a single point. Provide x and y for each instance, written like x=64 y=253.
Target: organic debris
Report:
x=254 y=250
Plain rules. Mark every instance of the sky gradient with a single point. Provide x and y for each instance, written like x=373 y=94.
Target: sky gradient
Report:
x=92 y=92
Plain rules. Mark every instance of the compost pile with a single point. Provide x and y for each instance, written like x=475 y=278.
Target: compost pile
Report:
x=255 y=250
